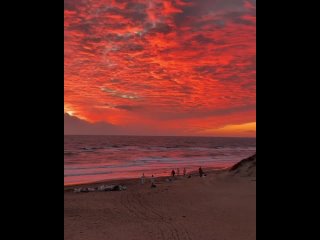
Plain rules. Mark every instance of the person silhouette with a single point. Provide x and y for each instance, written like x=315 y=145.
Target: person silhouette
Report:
x=173 y=173
x=142 y=178
x=153 y=182
x=201 y=172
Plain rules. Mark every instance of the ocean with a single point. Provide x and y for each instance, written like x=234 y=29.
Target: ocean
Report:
x=96 y=158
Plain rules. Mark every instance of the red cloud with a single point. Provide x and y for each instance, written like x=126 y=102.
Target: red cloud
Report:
x=175 y=66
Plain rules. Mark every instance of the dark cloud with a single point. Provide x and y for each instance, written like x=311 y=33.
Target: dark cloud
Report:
x=205 y=69
x=73 y=5
x=132 y=47
x=133 y=12
x=76 y=126
x=90 y=39
x=136 y=7
x=201 y=114
x=244 y=21
x=84 y=27
x=201 y=39
x=129 y=107
x=186 y=89
x=158 y=28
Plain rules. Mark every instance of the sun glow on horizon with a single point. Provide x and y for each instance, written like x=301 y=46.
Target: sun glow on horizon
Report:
x=245 y=129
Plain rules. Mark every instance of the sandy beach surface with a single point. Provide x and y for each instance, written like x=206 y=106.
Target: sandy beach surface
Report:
x=220 y=206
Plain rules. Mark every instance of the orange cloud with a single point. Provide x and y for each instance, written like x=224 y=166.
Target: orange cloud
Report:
x=239 y=130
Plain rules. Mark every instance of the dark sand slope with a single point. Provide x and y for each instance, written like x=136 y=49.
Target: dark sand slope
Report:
x=246 y=167
x=221 y=206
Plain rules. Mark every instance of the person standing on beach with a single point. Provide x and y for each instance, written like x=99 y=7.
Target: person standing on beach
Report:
x=173 y=173
x=152 y=182
x=200 y=172
x=184 y=172
x=142 y=178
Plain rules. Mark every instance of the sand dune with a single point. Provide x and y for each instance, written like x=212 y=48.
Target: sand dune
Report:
x=246 y=167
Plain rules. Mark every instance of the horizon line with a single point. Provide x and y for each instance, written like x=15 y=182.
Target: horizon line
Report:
x=133 y=135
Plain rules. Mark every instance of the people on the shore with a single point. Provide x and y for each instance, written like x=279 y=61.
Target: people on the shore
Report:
x=173 y=174
x=142 y=178
x=153 y=182
x=201 y=173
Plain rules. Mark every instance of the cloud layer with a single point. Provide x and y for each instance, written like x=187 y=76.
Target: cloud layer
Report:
x=178 y=66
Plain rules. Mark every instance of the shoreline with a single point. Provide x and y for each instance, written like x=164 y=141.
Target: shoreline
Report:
x=134 y=181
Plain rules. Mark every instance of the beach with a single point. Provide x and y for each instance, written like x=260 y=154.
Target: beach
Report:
x=220 y=206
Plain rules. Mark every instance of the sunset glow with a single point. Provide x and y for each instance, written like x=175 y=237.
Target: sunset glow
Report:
x=161 y=67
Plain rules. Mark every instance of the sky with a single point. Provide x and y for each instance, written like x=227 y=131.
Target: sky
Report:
x=160 y=67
